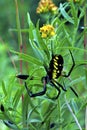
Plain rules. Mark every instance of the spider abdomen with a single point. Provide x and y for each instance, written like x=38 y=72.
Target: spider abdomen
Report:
x=55 y=67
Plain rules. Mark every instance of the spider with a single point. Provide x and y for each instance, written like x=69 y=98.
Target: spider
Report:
x=53 y=72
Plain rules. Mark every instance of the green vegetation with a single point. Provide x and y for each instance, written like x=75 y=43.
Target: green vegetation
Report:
x=25 y=48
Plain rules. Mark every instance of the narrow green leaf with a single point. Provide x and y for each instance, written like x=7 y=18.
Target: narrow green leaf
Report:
x=42 y=44
x=75 y=107
x=77 y=80
x=3 y=88
x=29 y=20
x=34 y=35
x=17 y=96
x=65 y=14
x=25 y=109
x=36 y=50
x=28 y=58
x=31 y=27
x=11 y=125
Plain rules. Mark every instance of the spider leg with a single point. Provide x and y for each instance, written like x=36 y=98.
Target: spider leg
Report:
x=56 y=84
x=58 y=89
x=36 y=94
x=63 y=87
x=74 y=91
x=24 y=77
x=71 y=67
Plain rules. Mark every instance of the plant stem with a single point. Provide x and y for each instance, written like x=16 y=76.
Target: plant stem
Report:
x=59 y=111
x=19 y=36
x=86 y=119
x=71 y=111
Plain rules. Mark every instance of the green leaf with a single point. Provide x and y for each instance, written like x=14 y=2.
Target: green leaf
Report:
x=75 y=107
x=65 y=14
x=77 y=80
x=17 y=96
x=36 y=50
x=3 y=88
x=39 y=47
x=25 y=109
x=31 y=27
x=28 y=58
x=42 y=44
x=11 y=125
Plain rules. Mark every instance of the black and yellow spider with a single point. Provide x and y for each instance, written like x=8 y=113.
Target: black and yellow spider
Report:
x=54 y=71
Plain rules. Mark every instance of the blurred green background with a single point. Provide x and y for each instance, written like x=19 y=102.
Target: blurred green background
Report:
x=9 y=38
x=8 y=16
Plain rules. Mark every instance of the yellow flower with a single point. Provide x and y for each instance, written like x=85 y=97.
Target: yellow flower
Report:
x=47 y=31
x=46 y=6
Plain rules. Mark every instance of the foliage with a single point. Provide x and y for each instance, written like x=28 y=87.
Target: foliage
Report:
x=21 y=112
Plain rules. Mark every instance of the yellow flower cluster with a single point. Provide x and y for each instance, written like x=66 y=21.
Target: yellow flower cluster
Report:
x=46 y=6
x=47 y=31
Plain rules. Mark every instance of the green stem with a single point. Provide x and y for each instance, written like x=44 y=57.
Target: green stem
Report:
x=59 y=111
x=71 y=111
x=19 y=38
x=86 y=118
x=19 y=32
